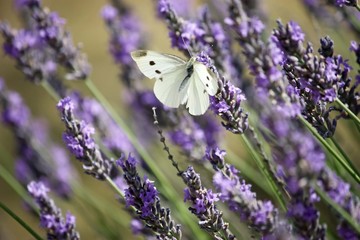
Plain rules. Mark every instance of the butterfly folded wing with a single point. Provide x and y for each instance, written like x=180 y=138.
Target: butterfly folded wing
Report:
x=207 y=77
x=198 y=98
x=168 y=90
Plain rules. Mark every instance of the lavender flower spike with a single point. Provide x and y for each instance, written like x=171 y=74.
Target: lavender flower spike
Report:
x=143 y=196
x=79 y=141
x=262 y=217
x=51 y=29
x=203 y=206
x=50 y=215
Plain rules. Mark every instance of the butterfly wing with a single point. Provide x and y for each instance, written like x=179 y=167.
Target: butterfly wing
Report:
x=198 y=98
x=154 y=65
x=167 y=88
x=207 y=77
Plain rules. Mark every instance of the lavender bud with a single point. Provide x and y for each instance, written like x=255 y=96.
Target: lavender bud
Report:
x=50 y=28
x=78 y=138
x=143 y=196
x=50 y=215
x=203 y=205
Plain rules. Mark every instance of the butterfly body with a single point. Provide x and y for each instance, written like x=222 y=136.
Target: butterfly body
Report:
x=178 y=81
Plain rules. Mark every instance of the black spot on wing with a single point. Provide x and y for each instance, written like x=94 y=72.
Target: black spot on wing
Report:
x=158 y=71
x=161 y=79
x=208 y=78
x=152 y=63
x=207 y=85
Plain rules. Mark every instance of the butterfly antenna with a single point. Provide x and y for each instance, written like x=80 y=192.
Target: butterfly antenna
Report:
x=187 y=47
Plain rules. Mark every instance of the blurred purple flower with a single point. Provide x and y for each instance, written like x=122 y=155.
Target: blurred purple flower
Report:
x=51 y=217
x=125 y=36
x=50 y=28
x=38 y=157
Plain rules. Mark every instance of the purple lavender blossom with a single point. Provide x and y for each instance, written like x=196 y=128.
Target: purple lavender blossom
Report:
x=50 y=28
x=143 y=196
x=32 y=57
x=350 y=3
x=51 y=217
x=339 y=192
x=125 y=36
x=261 y=216
x=263 y=59
x=318 y=79
x=194 y=136
x=111 y=134
x=355 y=47
x=38 y=157
x=299 y=161
x=79 y=141
x=203 y=205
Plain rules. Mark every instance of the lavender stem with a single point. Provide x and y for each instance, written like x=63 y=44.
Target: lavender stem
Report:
x=348 y=168
x=20 y=221
x=337 y=208
x=348 y=111
x=263 y=169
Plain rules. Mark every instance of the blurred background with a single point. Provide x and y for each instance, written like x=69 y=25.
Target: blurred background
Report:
x=84 y=22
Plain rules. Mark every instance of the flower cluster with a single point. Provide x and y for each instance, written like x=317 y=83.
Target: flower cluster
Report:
x=38 y=157
x=203 y=205
x=143 y=196
x=339 y=191
x=125 y=37
x=49 y=27
x=32 y=57
x=318 y=80
x=78 y=139
x=50 y=215
x=261 y=216
x=263 y=60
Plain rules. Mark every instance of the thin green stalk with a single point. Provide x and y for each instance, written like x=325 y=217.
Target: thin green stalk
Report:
x=348 y=111
x=345 y=156
x=20 y=221
x=274 y=188
x=50 y=90
x=337 y=208
x=166 y=190
x=350 y=170
x=357 y=7
x=16 y=186
x=249 y=172
x=113 y=185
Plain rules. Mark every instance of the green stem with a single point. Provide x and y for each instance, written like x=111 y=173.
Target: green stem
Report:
x=20 y=221
x=337 y=208
x=113 y=185
x=167 y=191
x=357 y=7
x=349 y=169
x=347 y=159
x=348 y=111
x=248 y=171
x=265 y=172
x=16 y=186
x=50 y=90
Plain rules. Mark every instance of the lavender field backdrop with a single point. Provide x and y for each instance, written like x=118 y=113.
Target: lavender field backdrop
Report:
x=87 y=151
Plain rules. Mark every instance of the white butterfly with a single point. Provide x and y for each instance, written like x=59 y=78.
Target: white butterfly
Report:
x=177 y=81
